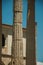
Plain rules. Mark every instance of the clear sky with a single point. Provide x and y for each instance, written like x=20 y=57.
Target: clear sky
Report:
x=7 y=12
x=7 y=18
x=39 y=20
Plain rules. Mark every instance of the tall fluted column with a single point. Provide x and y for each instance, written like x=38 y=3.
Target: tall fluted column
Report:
x=17 y=51
x=1 y=63
x=30 y=45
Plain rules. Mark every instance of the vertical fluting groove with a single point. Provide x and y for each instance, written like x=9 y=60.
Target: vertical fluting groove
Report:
x=17 y=45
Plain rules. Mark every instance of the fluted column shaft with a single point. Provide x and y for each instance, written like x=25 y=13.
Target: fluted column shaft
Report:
x=17 y=46
x=30 y=44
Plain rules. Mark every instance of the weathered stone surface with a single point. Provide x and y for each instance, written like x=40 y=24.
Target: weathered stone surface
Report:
x=18 y=5
x=30 y=45
x=6 y=60
x=18 y=17
x=17 y=46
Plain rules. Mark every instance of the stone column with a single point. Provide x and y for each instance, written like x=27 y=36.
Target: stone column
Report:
x=0 y=29
x=30 y=44
x=1 y=63
x=17 y=51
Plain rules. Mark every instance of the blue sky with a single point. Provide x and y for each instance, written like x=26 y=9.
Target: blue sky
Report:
x=7 y=12
x=7 y=18
x=39 y=20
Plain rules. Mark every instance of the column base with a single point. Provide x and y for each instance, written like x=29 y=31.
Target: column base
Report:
x=1 y=63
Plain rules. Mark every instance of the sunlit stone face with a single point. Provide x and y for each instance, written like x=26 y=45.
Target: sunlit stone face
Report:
x=18 y=5
x=18 y=17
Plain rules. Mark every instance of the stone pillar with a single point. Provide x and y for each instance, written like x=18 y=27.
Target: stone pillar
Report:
x=17 y=46
x=0 y=29
x=30 y=44
x=1 y=63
